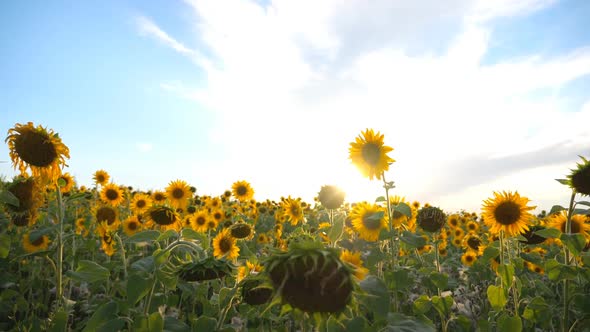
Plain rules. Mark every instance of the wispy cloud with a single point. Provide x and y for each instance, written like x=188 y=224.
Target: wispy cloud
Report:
x=290 y=97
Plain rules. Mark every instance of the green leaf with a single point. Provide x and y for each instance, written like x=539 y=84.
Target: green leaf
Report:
x=355 y=324
x=440 y=280
x=161 y=256
x=548 y=233
x=4 y=245
x=336 y=230
x=225 y=296
x=574 y=242
x=167 y=235
x=402 y=323
x=583 y=203
x=137 y=288
x=586 y=258
x=7 y=197
x=509 y=324
x=442 y=304
x=497 y=297
x=377 y=299
x=556 y=208
x=191 y=234
x=59 y=322
x=168 y=279
x=490 y=253
x=103 y=314
x=172 y=324
x=557 y=271
x=61 y=182
x=413 y=240
x=421 y=305
x=376 y=216
x=146 y=264
x=89 y=271
x=205 y=323
x=36 y=234
x=144 y=236
x=333 y=325
x=380 y=199
x=112 y=325
x=534 y=258
x=483 y=325
x=537 y=310
x=156 y=322
x=506 y=272
x=386 y=234
x=399 y=279
x=563 y=181
x=404 y=209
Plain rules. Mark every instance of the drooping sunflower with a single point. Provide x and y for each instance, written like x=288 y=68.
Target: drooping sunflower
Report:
x=368 y=220
x=101 y=177
x=38 y=149
x=112 y=194
x=579 y=223
x=242 y=191
x=369 y=154
x=68 y=182
x=224 y=245
x=178 y=193
x=41 y=243
x=163 y=216
x=106 y=214
x=28 y=192
x=579 y=178
x=507 y=212
x=242 y=230
x=292 y=210
x=131 y=225
x=354 y=259
x=140 y=203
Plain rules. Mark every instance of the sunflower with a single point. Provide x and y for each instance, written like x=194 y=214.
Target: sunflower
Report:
x=400 y=220
x=242 y=230
x=368 y=220
x=28 y=192
x=101 y=177
x=472 y=242
x=224 y=245
x=140 y=203
x=468 y=258
x=354 y=259
x=370 y=155
x=131 y=225
x=41 y=243
x=453 y=220
x=81 y=227
x=579 y=179
x=250 y=268
x=112 y=194
x=262 y=238
x=106 y=233
x=200 y=220
x=507 y=212
x=472 y=226
x=242 y=191
x=431 y=219
x=163 y=216
x=39 y=150
x=107 y=214
x=178 y=193
x=218 y=216
x=68 y=183
x=331 y=197
x=292 y=210
x=578 y=225
x=159 y=197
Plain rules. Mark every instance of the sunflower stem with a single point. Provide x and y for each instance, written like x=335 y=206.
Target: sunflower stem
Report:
x=123 y=258
x=437 y=261
x=60 y=247
x=502 y=247
x=568 y=230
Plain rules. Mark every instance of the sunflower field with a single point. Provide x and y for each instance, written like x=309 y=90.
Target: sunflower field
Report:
x=115 y=258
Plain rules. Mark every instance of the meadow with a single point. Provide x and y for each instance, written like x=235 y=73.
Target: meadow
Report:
x=112 y=257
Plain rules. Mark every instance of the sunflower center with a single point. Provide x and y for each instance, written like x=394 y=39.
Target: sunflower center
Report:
x=507 y=213
x=35 y=149
x=112 y=194
x=159 y=197
x=178 y=193
x=575 y=227
x=469 y=258
x=132 y=226
x=162 y=216
x=201 y=220
x=473 y=243
x=24 y=192
x=242 y=190
x=371 y=223
x=225 y=245
x=217 y=216
x=100 y=178
x=107 y=214
x=371 y=153
x=295 y=210
x=211 y=224
x=38 y=242
x=141 y=203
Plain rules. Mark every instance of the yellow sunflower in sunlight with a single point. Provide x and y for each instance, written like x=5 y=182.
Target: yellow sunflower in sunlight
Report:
x=106 y=214
x=472 y=242
x=81 y=227
x=242 y=191
x=292 y=210
x=41 y=243
x=579 y=223
x=368 y=220
x=468 y=258
x=400 y=220
x=224 y=245
x=507 y=212
x=112 y=194
x=140 y=203
x=159 y=197
x=163 y=216
x=200 y=220
x=369 y=154
x=107 y=241
x=131 y=225
x=101 y=177
x=354 y=259
x=68 y=182
x=178 y=193
x=39 y=150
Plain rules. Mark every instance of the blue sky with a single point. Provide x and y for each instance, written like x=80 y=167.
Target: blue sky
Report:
x=474 y=96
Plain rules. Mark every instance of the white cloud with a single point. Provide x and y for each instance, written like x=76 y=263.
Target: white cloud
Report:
x=290 y=97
